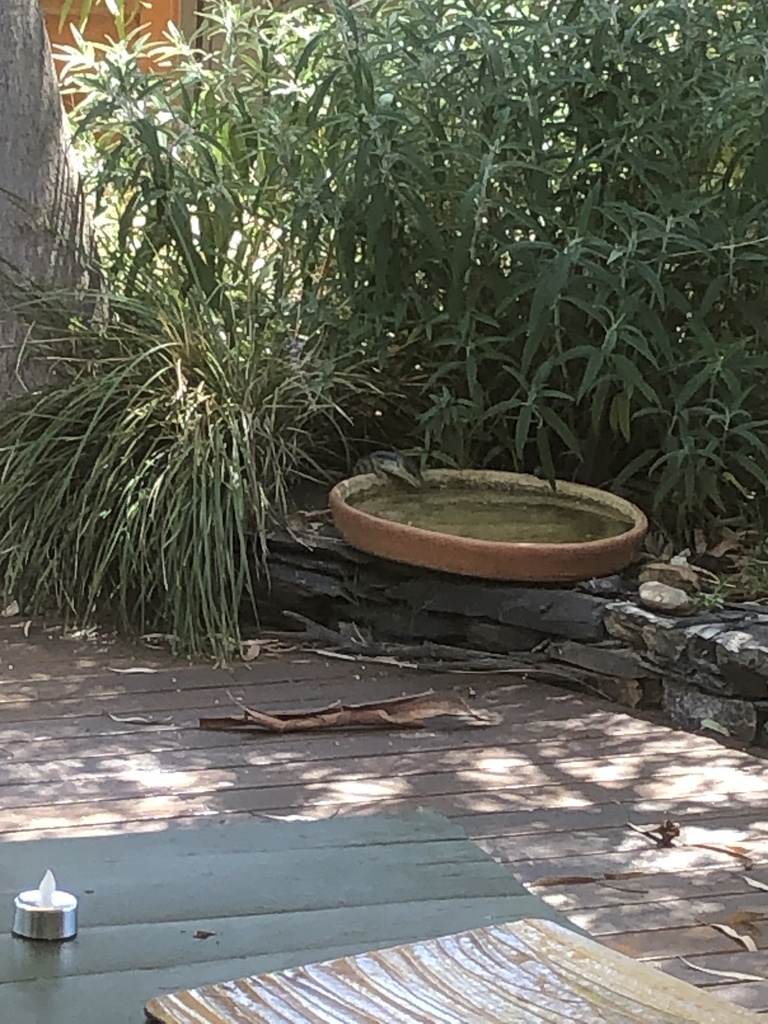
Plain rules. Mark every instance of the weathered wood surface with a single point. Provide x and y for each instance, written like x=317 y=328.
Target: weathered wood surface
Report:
x=548 y=792
x=529 y=970
x=194 y=903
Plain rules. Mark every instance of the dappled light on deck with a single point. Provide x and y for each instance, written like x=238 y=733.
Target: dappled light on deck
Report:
x=551 y=791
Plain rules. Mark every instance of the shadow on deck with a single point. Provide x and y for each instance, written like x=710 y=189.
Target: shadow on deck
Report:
x=550 y=792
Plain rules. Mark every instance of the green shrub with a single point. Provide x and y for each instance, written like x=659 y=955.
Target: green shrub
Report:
x=561 y=211
x=526 y=236
x=549 y=217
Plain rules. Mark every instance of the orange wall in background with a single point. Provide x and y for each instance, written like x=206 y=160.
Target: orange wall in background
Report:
x=155 y=14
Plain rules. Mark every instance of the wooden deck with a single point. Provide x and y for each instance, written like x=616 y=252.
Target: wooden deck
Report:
x=549 y=792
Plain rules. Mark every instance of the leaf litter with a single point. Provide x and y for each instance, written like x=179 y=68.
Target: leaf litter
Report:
x=744 y=940
x=668 y=832
x=138 y=719
x=730 y=975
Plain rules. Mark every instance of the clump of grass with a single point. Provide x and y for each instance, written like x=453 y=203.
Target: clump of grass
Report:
x=140 y=491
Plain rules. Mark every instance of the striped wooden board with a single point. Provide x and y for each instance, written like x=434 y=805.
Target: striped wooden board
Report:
x=529 y=972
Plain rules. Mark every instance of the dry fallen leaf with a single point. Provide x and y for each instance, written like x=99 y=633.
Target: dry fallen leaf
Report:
x=138 y=669
x=656 y=545
x=139 y=719
x=733 y=975
x=664 y=835
x=201 y=933
x=607 y=879
x=554 y=880
x=732 y=851
x=668 y=834
x=624 y=888
x=732 y=541
x=744 y=940
x=713 y=726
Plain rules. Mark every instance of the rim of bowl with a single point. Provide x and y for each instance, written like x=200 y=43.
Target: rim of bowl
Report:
x=637 y=517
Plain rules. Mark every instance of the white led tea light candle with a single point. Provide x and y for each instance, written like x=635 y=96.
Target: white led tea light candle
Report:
x=45 y=913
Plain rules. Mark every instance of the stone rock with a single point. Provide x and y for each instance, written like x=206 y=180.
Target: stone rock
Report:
x=500 y=639
x=653 y=691
x=604 y=586
x=761 y=707
x=607 y=661
x=597 y=634
x=666 y=645
x=627 y=692
x=317 y=547
x=659 y=635
x=679 y=575
x=689 y=707
x=305 y=581
x=624 y=621
x=702 y=641
x=698 y=674
x=660 y=597
x=559 y=613
x=747 y=647
x=742 y=657
x=744 y=682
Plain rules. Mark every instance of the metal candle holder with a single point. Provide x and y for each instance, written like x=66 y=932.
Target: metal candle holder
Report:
x=45 y=913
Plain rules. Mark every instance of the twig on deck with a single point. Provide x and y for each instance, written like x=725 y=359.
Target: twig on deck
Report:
x=402 y=712
x=432 y=657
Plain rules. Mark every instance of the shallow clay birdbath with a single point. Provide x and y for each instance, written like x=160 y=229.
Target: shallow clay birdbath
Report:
x=503 y=526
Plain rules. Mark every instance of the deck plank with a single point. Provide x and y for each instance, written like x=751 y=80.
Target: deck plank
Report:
x=748 y=963
x=441 y=793
x=548 y=792
x=657 y=888
x=127 y=778
x=683 y=913
x=661 y=943
x=540 y=718
x=218 y=748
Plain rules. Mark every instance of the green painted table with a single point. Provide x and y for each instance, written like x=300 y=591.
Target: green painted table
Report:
x=274 y=895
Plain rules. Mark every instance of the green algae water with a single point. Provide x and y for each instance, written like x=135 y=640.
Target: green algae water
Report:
x=495 y=514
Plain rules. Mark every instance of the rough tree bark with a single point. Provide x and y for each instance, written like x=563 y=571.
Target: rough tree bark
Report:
x=44 y=236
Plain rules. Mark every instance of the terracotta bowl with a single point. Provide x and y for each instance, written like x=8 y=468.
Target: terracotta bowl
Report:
x=499 y=560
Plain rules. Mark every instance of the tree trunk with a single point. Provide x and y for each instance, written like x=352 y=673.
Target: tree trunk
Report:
x=44 y=235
